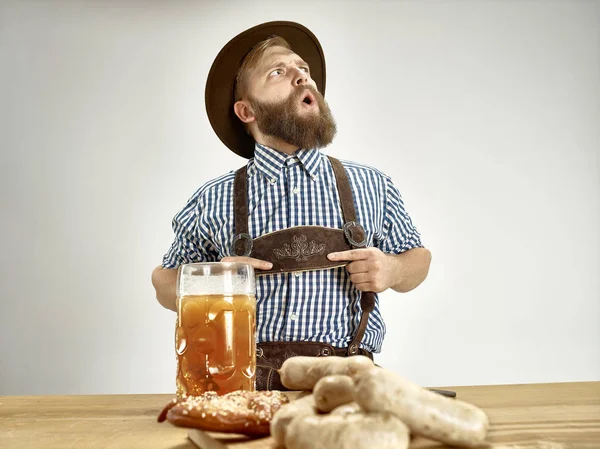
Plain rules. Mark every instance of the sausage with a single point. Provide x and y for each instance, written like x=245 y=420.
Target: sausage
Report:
x=331 y=391
x=426 y=413
x=304 y=405
x=346 y=409
x=302 y=373
x=355 y=431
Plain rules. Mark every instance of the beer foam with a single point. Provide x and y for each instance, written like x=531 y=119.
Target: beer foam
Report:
x=223 y=282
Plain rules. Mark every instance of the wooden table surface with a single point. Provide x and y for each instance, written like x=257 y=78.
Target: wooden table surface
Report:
x=541 y=416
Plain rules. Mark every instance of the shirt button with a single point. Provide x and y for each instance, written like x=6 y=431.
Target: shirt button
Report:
x=272 y=180
x=296 y=190
x=313 y=177
x=297 y=273
x=293 y=317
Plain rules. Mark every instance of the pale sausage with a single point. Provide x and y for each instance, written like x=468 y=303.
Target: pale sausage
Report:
x=426 y=413
x=331 y=391
x=355 y=431
x=302 y=373
x=305 y=405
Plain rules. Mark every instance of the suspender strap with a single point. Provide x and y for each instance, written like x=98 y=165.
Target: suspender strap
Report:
x=242 y=242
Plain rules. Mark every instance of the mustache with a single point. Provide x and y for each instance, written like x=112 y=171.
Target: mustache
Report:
x=296 y=94
x=299 y=91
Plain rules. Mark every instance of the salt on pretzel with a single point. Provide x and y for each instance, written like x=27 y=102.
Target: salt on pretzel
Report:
x=241 y=412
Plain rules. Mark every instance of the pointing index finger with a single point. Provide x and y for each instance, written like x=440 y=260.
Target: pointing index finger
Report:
x=353 y=254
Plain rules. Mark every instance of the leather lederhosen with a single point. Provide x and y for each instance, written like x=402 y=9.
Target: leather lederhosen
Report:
x=300 y=248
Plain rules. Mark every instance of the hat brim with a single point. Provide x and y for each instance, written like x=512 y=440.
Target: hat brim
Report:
x=221 y=77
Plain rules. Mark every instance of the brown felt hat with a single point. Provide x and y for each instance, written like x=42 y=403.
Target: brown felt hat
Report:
x=221 y=78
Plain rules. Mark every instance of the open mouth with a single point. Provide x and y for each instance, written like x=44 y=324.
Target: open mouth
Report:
x=308 y=99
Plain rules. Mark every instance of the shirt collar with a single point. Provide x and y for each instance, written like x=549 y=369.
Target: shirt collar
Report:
x=270 y=162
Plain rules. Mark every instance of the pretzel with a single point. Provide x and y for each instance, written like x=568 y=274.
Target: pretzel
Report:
x=243 y=412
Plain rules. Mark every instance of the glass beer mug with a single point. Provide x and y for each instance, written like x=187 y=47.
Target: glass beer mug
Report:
x=215 y=338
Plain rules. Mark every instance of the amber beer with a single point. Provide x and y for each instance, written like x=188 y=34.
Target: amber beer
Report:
x=215 y=338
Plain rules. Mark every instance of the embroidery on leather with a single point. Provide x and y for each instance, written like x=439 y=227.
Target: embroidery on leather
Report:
x=287 y=355
x=300 y=249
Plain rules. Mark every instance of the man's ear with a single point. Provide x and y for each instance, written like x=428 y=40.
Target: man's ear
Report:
x=243 y=111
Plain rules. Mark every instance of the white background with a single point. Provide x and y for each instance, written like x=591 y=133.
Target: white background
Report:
x=486 y=115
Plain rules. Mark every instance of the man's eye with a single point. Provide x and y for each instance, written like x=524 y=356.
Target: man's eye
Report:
x=276 y=72
x=304 y=69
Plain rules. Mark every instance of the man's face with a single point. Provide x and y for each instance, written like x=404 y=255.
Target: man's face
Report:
x=286 y=102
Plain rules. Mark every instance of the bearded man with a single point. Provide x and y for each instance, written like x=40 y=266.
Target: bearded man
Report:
x=324 y=235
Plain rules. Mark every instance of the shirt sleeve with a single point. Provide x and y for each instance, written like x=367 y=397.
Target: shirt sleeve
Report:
x=191 y=243
x=399 y=232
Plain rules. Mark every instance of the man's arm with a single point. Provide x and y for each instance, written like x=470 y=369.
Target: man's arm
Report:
x=164 y=281
x=371 y=270
x=410 y=269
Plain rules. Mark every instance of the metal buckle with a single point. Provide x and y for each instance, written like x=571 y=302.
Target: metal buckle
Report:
x=353 y=350
x=348 y=234
x=325 y=352
x=249 y=245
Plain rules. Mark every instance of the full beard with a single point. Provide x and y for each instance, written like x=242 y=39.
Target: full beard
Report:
x=283 y=120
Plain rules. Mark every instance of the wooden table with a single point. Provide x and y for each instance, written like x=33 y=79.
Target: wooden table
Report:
x=542 y=416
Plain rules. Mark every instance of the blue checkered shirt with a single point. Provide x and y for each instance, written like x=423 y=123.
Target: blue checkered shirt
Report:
x=298 y=190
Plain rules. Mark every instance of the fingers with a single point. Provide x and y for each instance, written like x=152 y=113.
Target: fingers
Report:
x=255 y=263
x=364 y=287
x=358 y=267
x=366 y=282
x=353 y=254
x=360 y=278
x=369 y=287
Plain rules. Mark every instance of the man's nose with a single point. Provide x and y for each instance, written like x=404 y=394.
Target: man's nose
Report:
x=300 y=77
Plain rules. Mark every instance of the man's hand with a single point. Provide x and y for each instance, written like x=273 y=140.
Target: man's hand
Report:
x=256 y=263
x=372 y=270
x=164 y=280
